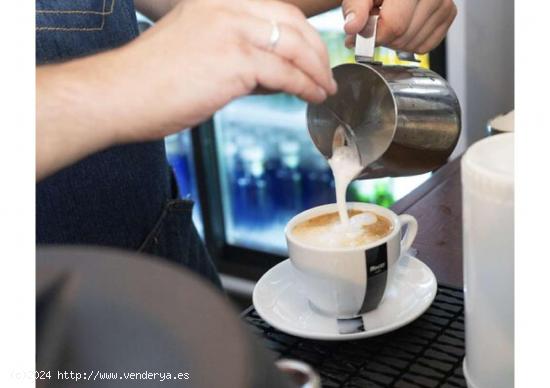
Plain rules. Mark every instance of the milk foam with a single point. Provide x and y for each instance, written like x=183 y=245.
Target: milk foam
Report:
x=334 y=234
x=345 y=166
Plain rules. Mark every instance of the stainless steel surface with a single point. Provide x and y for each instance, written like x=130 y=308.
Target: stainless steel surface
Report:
x=406 y=120
x=406 y=56
x=343 y=135
x=300 y=373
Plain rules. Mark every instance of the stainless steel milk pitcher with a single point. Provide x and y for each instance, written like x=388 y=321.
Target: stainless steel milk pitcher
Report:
x=403 y=120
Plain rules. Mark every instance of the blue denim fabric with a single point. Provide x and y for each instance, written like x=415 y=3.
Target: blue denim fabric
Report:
x=124 y=196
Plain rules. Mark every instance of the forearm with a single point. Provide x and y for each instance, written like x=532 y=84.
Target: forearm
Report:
x=169 y=78
x=81 y=108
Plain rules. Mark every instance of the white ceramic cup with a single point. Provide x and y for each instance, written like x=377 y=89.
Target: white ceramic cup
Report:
x=347 y=282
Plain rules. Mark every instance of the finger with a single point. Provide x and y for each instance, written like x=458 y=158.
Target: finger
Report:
x=395 y=18
x=422 y=13
x=437 y=36
x=290 y=46
x=356 y=13
x=349 y=41
x=277 y=74
x=434 y=21
x=289 y=14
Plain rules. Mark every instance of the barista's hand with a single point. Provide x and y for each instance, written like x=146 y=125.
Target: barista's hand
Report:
x=204 y=53
x=410 y=25
x=196 y=59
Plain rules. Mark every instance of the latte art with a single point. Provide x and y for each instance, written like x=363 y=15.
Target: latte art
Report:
x=327 y=231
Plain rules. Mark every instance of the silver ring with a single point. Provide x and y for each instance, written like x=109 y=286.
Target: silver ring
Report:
x=275 y=35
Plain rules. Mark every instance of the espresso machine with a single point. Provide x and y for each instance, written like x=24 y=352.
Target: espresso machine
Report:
x=402 y=120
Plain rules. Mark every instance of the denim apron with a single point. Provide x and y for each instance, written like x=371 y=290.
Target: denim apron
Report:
x=123 y=196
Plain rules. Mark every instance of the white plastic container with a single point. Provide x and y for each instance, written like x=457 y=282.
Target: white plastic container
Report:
x=488 y=224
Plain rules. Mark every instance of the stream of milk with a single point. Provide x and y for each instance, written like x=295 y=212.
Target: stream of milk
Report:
x=345 y=166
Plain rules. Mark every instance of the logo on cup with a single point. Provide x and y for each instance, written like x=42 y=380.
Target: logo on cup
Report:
x=376 y=262
x=376 y=269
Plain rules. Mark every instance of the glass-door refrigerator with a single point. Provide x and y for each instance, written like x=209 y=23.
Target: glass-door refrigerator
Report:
x=255 y=167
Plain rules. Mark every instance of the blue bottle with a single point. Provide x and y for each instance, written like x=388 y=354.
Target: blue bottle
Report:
x=178 y=160
x=287 y=190
x=253 y=209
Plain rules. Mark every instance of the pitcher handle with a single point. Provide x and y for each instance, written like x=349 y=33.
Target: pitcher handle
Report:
x=366 y=43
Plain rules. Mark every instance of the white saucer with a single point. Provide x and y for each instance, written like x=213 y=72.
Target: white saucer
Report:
x=280 y=300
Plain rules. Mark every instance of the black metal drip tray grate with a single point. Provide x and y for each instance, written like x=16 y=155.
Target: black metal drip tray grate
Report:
x=426 y=353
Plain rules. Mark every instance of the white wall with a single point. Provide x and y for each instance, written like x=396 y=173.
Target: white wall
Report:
x=480 y=62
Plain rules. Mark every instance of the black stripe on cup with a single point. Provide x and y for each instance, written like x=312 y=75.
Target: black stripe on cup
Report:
x=376 y=263
x=350 y=325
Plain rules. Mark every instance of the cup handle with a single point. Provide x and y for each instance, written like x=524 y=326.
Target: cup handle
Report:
x=410 y=234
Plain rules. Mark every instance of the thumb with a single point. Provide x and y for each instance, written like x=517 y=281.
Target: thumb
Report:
x=356 y=13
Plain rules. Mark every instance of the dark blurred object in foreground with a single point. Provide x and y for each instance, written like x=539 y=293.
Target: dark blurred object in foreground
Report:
x=119 y=319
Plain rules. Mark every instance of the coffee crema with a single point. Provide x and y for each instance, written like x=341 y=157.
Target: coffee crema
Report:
x=327 y=231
